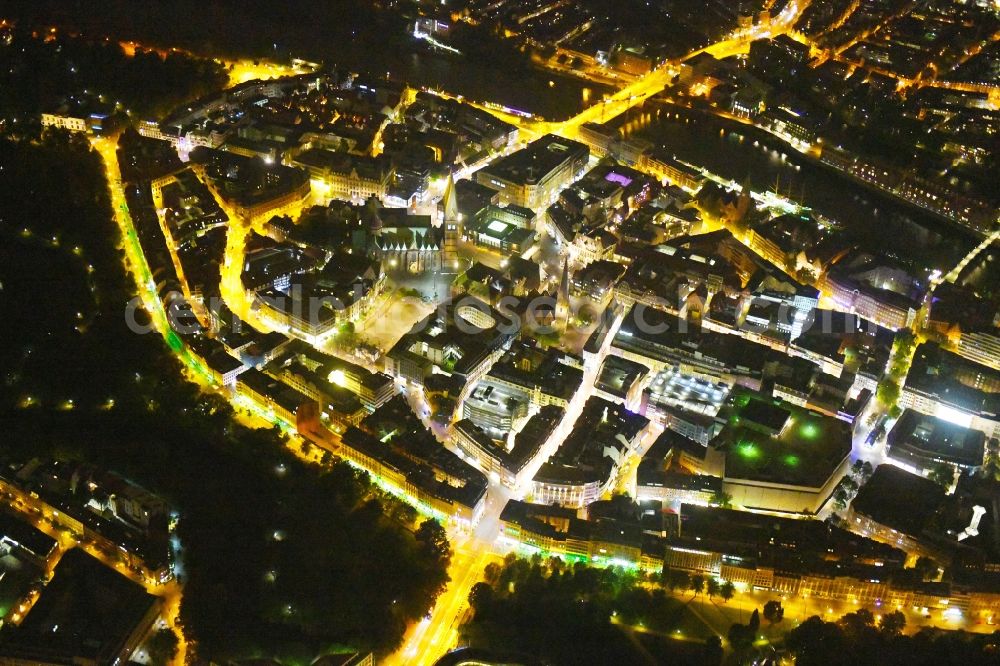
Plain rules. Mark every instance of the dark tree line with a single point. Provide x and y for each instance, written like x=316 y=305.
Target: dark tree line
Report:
x=860 y=638
x=39 y=74
x=279 y=558
x=567 y=613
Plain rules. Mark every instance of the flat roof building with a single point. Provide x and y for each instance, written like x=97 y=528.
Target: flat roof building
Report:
x=719 y=537
x=495 y=458
x=88 y=614
x=946 y=385
x=657 y=477
x=920 y=441
x=896 y=507
x=23 y=538
x=779 y=456
x=532 y=177
x=620 y=378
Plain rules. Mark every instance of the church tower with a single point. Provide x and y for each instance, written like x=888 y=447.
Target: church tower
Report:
x=562 y=297
x=452 y=219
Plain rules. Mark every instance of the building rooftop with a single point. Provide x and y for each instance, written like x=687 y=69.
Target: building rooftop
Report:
x=832 y=334
x=460 y=346
x=21 y=575
x=497 y=398
x=78 y=490
x=919 y=436
x=598 y=432
x=86 y=612
x=562 y=524
x=663 y=336
x=343 y=164
x=282 y=394
x=598 y=276
x=783 y=543
x=618 y=375
x=395 y=437
x=24 y=536
x=527 y=442
x=899 y=500
x=770 y=417
x=248 y=181
x=532 y=164
x=804 y=452
x=534 y=434
x=954 y=380
x=472 y=197
x=549 y=370
x=221 y=362
x=653 y=470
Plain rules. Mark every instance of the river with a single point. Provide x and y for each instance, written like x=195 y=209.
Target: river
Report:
x=546 y=94
x=740 y=152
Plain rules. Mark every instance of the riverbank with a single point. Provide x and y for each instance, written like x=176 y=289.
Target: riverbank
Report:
x=743 y=152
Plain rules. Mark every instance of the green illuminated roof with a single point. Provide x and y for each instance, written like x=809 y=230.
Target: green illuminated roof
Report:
x=804 y=452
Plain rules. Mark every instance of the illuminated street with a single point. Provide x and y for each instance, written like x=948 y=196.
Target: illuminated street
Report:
x=426 y=641
x=508 y=279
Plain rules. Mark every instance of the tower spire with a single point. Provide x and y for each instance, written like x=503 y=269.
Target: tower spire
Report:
x=562 y=296
x=452 y=218
x=450 y=201
x=564 y=281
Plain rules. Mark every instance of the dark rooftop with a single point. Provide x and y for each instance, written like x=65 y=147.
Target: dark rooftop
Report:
x=87 y=611
x=28 y=537
x=805 y=452
x=533 y=163
x=898 y=499
x=619 y=374
x=766 y=414
x=922 y=436
x=954 y=380
x=786 y=543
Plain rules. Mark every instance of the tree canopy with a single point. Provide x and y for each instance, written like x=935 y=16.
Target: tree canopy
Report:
x=861 y=638
x=102 y=394
x=565 y=613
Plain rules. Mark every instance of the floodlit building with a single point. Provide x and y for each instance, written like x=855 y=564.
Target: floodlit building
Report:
x=785 y=556
x=588 y=462
x=287 y=403
x=65 y=122
x=99 y=121
x=508 y=463
x=558 y=530
x=254 y=189
x=664 y=165
x=546 y=376
x=345 y=176
x=920 y=441
x=655 y=480
x=943 y=384
x=394 y=445
x=534 y=176
x=780 y=457
x=620 y=380
x=461 y=339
